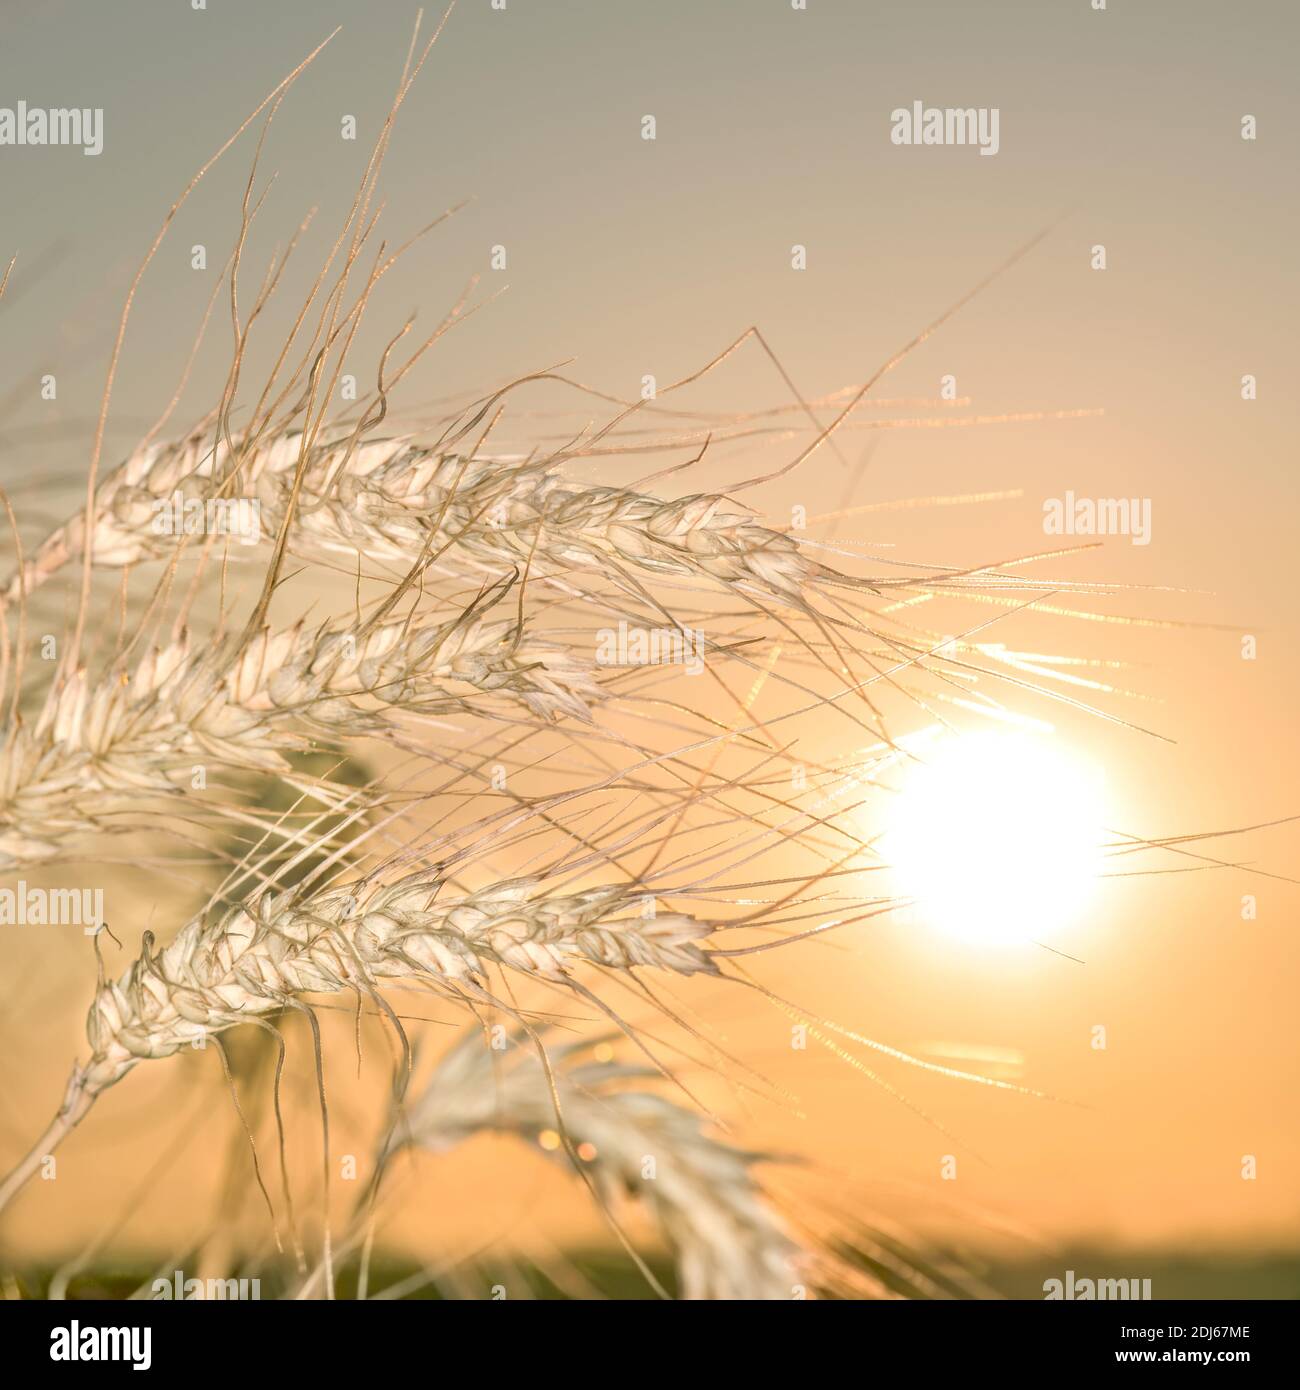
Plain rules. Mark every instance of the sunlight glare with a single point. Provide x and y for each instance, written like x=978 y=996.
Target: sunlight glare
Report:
x=996 y=837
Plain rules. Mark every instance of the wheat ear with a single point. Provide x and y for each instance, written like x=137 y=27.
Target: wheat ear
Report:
x=101 y=742
x=727 y=1239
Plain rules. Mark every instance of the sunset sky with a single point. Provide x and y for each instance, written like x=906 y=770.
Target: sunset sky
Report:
x=626 y=257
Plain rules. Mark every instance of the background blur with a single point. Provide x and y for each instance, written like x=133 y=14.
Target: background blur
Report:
x=633 y=257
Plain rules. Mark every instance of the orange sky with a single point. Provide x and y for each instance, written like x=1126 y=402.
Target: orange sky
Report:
x=635 y=257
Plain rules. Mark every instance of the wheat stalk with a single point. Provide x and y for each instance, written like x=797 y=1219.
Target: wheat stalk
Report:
x=104 y=740
x=249 y=960
x=396 y=500
x=255 y=959
x=727 y=1239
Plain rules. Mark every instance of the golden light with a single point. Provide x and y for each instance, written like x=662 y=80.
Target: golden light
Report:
x=996 y=837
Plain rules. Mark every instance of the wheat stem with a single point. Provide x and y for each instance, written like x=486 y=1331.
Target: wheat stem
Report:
x=77 y=1100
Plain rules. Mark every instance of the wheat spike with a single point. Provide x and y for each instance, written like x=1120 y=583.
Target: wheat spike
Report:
x=727 y=1239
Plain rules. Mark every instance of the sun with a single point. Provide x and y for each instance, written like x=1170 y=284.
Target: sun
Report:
x=996 y=838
